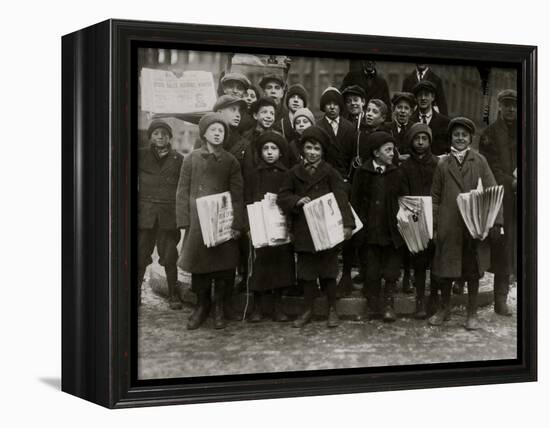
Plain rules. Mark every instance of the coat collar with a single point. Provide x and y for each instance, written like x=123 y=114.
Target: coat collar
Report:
x=455 y=172
x=369 y=166
x=262 y=165
x=206 y=154
x=321 y=172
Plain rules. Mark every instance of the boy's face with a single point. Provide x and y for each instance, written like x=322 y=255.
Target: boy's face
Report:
x=301 y=123
x=250 y=97
x=274 y=90
x=232 y=114
x=384 y=155
x=265 y=117
x=160 y=138
x=373 y=115
x=460 y=137
x=354 y=104
x=332 y=110
x=313 y=151
x=270 y=152
x=403 y=112
x=214 y=134
x=425 y=99
x=295 y=103
x=421 y=143
x=508 y=109
x=234 y=87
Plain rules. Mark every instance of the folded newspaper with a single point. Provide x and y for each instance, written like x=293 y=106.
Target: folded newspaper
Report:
x=215 y=218
x=324 y=221
x=268 y=225
x=415 y=222
x=479 y=209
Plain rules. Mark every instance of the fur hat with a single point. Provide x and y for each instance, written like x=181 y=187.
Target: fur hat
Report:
x=210 y=118
x=261 y=102
x=317 y=134
x=331 y=94
x=228 y=100
x=158 y=123
x=297 y=90
x=462 y=121
x=306 y=113
x=271 y=137
x=415 y=129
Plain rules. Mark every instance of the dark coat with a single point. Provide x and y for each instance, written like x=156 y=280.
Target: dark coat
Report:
x=448 y=182
x=273 y=266
x=247 y=122
x=417 y=175
x=374 y=85
x=440 y=139
x=204 y=174
x=157 y=184
x=498 y=144
x=374 y=198
x=342 y=146
x=251 y=158
x=287 y=129
x=299 y=183
x=236 y=144
x=412 y=79
x=402 y=144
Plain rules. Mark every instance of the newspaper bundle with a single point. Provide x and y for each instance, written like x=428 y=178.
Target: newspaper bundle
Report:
x=415 y=222
x=324 y=221
x=479 y=209
x=268 y=225
x=216 y=218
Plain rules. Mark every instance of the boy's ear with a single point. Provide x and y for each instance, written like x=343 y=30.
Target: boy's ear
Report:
x=255 y=116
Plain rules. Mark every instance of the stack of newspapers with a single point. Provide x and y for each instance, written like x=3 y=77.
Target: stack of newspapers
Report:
x=216 y=218
x=268 y=225
x=415 y=222
x=479 y=209
x=324 y=221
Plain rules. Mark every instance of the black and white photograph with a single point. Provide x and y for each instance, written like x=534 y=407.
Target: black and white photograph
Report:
x=305 y=213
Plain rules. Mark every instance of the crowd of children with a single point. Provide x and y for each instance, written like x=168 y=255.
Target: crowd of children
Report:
x=364 y=151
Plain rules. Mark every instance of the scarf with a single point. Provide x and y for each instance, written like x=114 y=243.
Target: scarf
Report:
x=459 y=155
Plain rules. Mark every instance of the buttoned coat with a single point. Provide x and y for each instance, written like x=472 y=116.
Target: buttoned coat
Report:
x=341 y=150
x=439 y=125
x=157 y=184
x=204 y=174
x=449 y=181
x=299 y=183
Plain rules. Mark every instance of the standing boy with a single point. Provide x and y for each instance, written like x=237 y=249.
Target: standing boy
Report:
x=296 y=99
x=274 y=88
x=403 y=104
x=424 y=72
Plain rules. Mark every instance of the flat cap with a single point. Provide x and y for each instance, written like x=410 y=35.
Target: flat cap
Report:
x=405 y=96
x=270 y=77
x=507 y=94
x=228 y=100
x=462 y=121
x=238 y=77
x=425 y=85
x=354 y=90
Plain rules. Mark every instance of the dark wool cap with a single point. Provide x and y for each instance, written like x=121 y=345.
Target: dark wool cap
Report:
x=237 y=77
x=425 y=85
x=228 y=100
x=271 y=137
x=378 y=139
x=261 y=102
x=158 y=123
x=415 y=129
x=462 y=121
x=354 y=90
x=404 y=96
x=317 y=134
x=210 y=118
x=507 y=94
x=270 y=77
x=331 y=94
x=297 y=90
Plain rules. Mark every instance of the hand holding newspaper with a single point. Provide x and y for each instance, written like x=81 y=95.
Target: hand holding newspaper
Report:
x=479 y=209
x=415 y=222
x=324 y=221
x=268 y=225
x=215 y=218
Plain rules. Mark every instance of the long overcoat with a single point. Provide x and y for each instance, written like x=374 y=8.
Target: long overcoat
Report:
x=204 y=174
x=449 y=181
x=299 y=183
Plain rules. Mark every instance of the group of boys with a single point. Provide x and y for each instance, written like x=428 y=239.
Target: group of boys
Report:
x=377 y=154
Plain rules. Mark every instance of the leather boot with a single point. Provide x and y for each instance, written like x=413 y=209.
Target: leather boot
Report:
x=278 y=313
x=333 y=320
x=303 y=319
x=444 y=311
x=472 y=322
x=501 y=307
x=219 y=320
x=310 y=290
x=200 y=313
x=174 y=301
x=500 y=292
x=389 y=313
x=345 y=285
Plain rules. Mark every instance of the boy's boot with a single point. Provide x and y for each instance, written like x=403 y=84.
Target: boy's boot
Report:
x=345 y=285
x=500 y=291
x=332 y=317
x=278 y=313
x=200 y=313
x=472 y=322
x=420 y=285
x=389 y=313
x=444 y=311
x=310 y=289
x=256 y=315
x=219 y=291
x=174 y=300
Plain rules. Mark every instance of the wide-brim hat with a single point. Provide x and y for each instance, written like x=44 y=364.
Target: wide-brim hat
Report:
x=210 y=118
x=158 y=123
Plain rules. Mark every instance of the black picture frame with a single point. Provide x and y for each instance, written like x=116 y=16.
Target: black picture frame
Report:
x=98 y=341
